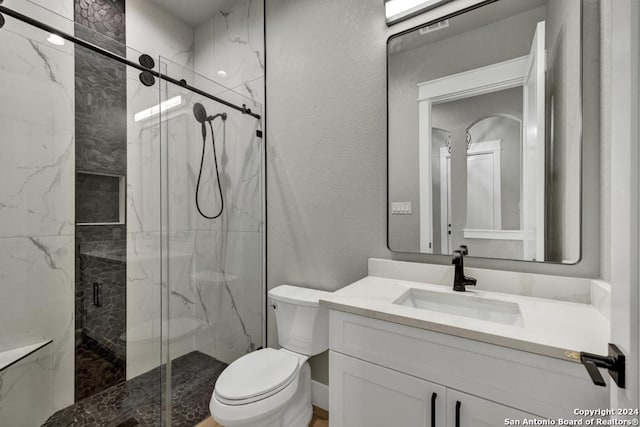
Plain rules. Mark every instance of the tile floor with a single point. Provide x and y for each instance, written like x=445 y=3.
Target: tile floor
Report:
x=96 y=368
x=137 y=402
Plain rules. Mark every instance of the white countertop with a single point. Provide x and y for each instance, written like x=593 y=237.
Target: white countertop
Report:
x=549 y=327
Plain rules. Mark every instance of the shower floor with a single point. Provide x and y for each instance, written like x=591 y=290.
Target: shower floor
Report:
x=137 y=402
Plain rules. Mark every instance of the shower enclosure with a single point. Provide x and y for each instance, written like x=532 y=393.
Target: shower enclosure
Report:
x=119 y=303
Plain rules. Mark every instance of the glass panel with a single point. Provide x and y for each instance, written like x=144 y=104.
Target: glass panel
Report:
x=37 y=160
x=79 y=229
x=214 y=265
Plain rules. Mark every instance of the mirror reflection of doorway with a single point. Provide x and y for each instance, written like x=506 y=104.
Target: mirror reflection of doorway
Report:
x=497 y=205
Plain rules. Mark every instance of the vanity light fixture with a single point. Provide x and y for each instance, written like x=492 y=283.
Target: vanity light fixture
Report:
x=155 y=110
x=399 y=10
x=55 y=39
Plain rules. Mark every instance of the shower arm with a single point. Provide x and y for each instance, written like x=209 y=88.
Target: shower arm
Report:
x=183 y=83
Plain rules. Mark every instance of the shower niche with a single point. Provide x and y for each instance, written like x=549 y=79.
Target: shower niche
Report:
x=100 y=198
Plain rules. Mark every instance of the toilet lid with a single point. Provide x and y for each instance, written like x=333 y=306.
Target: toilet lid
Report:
x=256 y=374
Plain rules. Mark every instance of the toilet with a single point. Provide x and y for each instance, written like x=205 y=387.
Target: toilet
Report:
x=272 y=388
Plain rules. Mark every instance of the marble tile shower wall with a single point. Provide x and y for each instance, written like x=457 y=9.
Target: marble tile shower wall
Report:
x=227 y=272
x=221 y=291
x=233 y=41
x=153 y=31
x=230 y=298
x=37 y=211
x=101 y=135
x=29 y=403
x=215 y=266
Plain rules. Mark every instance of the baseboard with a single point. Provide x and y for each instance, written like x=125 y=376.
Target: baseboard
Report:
x=320 y=395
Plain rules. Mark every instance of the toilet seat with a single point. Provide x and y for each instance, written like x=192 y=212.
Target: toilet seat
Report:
x=256 y=376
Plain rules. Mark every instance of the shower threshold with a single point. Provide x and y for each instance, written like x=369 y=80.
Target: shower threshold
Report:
x=137 y=402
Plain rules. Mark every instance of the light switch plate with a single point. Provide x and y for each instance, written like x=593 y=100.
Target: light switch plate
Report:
x=400 y=208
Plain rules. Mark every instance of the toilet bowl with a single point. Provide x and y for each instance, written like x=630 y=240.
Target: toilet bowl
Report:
x=272 y=388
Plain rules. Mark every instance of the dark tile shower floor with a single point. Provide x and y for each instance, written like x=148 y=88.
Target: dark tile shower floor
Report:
x=137 y=402
x=96 y=369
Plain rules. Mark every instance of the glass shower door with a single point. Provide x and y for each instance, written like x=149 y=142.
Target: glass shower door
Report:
x=79 y=245
x=213 y=248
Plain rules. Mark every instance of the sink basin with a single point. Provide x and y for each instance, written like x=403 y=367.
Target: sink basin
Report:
x=464 y=305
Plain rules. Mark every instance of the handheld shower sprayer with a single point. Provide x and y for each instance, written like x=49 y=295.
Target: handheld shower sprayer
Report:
x=200 y=113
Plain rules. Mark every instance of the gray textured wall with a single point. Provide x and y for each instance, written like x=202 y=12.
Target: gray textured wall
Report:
x=326 y=156
x=326 y=187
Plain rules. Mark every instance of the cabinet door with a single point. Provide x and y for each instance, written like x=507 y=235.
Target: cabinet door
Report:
x=465 y=410
x=366 y=395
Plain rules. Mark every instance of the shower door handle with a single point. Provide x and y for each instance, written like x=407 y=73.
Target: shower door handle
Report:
x=97 y=294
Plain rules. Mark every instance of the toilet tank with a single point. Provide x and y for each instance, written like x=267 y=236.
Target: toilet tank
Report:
x=303 y=326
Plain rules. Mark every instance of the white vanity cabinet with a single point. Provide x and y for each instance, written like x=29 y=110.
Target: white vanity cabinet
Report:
x=369 y=395
x=385 y=374
x=364 y=394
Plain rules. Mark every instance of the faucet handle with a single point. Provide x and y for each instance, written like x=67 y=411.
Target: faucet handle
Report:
x=464 y=249
x=470 y=281
x=457 y=258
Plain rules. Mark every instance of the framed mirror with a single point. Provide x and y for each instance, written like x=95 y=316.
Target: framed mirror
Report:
x=485 y=133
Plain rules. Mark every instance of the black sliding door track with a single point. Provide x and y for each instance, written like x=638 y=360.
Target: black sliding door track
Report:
x=183 y=83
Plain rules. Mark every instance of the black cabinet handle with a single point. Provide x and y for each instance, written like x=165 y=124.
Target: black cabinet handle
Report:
x=433 y=409
x=458 y=404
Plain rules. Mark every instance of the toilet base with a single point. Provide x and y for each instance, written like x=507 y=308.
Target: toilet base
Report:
x=296 y=412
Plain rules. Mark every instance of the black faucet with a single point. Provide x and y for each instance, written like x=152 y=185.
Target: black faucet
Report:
x=460 y=281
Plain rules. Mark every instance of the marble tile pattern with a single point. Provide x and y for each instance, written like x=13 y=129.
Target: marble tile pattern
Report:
x=26 y=390
x=233 y=41
x=36 y=303
x=36 y=191
x=10 y=357
x=137 y=401
x=36 y=213
x=156 y=32
x=222 y=286
x=63 y=8
x=214 y=267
